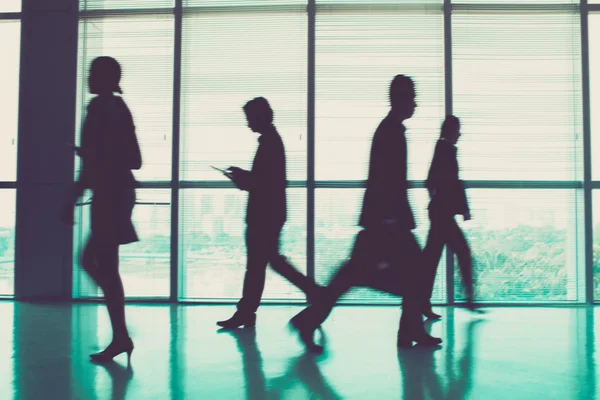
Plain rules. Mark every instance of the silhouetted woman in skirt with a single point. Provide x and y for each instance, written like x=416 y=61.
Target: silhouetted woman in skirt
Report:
x=109 y=152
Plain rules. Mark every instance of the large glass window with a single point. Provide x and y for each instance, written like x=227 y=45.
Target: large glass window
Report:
x=525 y=244
x=144 y=265
x=143 y=45
x=358 y=51
x=228 y=58
x=212 y=244
x=87 y=5
x=10 y=49
x=516 y=81
x=594 y=53
x=596 y=243
x=517 y=89
x=10 y=6
x=7 y=241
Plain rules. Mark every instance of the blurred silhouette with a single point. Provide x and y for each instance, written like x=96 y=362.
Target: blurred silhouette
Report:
x=266 y=214
x=386 y=255
x=448 y=198
x=256 y=387
x=109 y=151
x=120 y=377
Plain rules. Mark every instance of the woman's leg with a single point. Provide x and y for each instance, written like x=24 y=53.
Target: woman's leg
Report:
x=89 y=262
x=112 y=285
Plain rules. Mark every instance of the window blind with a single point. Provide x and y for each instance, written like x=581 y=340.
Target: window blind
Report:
x=241 y=3
x=143 y=45
x=10 y=48
x=89 y=5
x=359 y=49
x=517 y=90
x=517 y=2
x=594 y=55
x=228 y=58
x=10 y=6
x=378 y=3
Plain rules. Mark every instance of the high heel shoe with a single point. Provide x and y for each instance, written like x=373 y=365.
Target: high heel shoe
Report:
x=237 y=320
x=113 y=350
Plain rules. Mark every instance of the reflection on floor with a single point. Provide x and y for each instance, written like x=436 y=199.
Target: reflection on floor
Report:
x=510 y=353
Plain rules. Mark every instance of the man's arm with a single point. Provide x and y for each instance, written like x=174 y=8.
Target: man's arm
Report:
x=241 y=178
x=131 y=150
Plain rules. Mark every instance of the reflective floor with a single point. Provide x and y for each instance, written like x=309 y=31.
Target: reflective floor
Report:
x=510 y=353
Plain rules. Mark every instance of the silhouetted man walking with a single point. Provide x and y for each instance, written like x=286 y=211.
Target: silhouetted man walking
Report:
x=386 y=255
x=448 y=198
x=266 y=214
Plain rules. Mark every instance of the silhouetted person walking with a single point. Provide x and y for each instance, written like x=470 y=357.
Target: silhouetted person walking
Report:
x=448 y=199
x=386 y=255
x=109 y=151
x=266 y=214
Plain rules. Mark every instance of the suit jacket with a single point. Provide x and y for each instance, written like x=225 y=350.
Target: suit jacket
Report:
x=443 y=179
x=266 y=183
x=109 y=146
x=386 y=194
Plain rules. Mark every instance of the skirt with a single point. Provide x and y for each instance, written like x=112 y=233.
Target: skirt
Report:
x=111 y=214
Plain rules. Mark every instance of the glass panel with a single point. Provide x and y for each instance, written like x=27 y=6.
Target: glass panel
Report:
x=517 y=89
x=357 y=55
x=370 y=3
x=238 y=3
x=10 y=48
x=517 y=2
x=228 y=59
x=10 y=6
x=596 y=242
x=525 y=243
x=144 y=265
x=144 y=47
x=7 y=241
x=336 y=226
x=86 y=5
x=594 y=52
x=212 y=244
